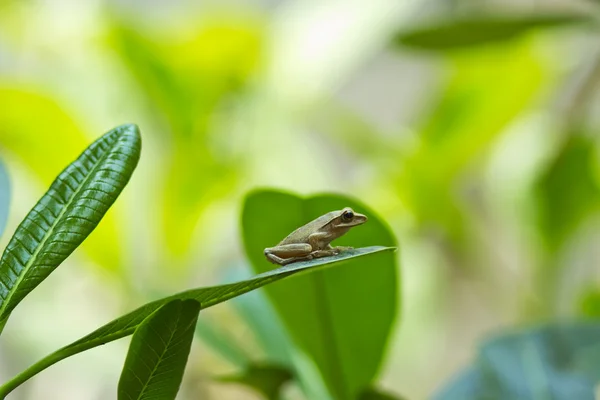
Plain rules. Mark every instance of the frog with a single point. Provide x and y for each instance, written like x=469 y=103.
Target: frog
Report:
x=313 y=240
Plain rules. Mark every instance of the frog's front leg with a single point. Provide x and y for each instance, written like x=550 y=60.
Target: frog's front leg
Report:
x=288 y=253
x=319 y=241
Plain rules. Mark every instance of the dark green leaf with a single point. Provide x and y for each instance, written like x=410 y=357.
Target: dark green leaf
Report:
x=4 y=197
x=557 y=361
x=568 y=191
x=319 y=310
x=67 y=214
x=268 y=380
x=477 y=30
x=376 y=394
x=158 y=353
x=210 y=296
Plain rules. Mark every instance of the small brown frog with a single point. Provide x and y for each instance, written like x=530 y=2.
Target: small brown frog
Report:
x=313 y=239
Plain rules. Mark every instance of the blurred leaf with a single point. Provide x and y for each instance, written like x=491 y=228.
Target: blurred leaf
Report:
x=468 y=385
x=265 y=324
x=568 y=191
x=486 y=91
x=267 y=380
x=589 y=303
x=188 y=79
x=477 y=30
x=4 y=197
x=222 y=343
x=258 y=313
x=375 y=394
x=158 y=352
x=207 y=297
x=66 y=214
x=45 y=155
x=557 y=361
x=320 y=310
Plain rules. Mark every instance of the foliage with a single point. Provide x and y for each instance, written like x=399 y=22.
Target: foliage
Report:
x=469 y=127
x=163 y=329
x=320 y=309
x=480 y=29
x=4 y=197
x=159 y=351
x=556 y=361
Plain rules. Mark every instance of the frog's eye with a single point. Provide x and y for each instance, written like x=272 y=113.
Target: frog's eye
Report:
x=347 y=216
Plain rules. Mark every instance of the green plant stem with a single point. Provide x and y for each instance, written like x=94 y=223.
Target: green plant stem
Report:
x=55 y=357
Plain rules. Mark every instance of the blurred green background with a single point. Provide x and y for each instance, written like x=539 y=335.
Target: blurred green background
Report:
x=470 y=127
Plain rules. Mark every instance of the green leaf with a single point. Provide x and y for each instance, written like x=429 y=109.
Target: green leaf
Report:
x=589 y=303
x=376 y=394
x=67 y=214
x=258 y=314
x=322 y=309
x=4 y=197
x=208 y=297
x=45 y=155
x=568 y=192
x=158 y=352
x=267 y=380
x=222 y=342
x=556 y=361
x=477 y=30
x=487 y=90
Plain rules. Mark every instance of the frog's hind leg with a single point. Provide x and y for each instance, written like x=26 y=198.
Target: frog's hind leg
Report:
x=288 y=253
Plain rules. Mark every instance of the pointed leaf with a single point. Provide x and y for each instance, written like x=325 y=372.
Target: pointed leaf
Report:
x=319 y=310
x=67 y=214
x=44 y=155
x=4 y=197
x=267 y=380
x=476 y=30
x=158 y=353
x=208 y=297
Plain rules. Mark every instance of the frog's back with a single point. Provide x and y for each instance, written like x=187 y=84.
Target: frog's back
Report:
x=301 y=234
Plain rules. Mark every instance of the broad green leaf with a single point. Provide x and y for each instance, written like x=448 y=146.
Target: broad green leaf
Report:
x=556 y=361
x=45 y=155
x=68 y=212
x=319 y=310
x=568 y=192
x=208 y=297
x=158 y=353
x=477 y=30
x=267 y=380
x=4 y=197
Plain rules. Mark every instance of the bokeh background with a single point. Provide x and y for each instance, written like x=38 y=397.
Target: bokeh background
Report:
x=481 y=155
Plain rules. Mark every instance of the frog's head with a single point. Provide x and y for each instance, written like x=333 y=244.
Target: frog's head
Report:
x=347 y=218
